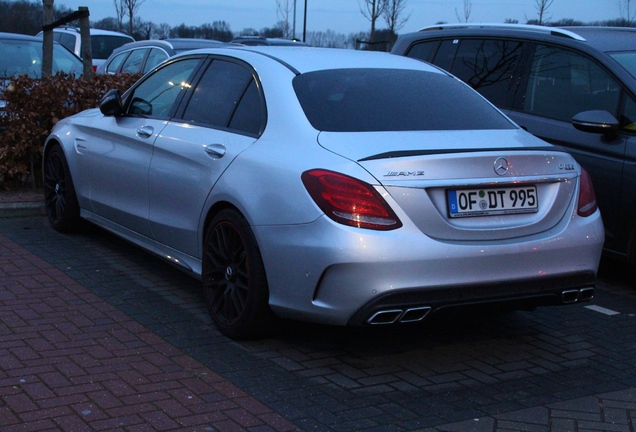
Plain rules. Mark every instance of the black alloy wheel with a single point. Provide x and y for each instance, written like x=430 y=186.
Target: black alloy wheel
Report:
x=234 y=278
x=60 y=199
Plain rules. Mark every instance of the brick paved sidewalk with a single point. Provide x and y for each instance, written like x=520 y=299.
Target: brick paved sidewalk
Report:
x=71 y=362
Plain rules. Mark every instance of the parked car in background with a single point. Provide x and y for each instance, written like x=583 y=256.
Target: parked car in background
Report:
x=574 y=87
x=103 y=42
x=142 y=56
x=335 y=186
x=260 y=40
x=22 y=54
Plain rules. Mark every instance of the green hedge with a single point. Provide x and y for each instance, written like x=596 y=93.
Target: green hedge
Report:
x=33 y=108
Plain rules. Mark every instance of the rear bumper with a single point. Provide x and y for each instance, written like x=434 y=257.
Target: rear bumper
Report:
x=331 y=274
x=416 y=304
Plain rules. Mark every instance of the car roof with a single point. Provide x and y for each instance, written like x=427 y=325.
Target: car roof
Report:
x=93 y=31
x=261 y=40
x=308 y=59
x=17 y=36
x=171 y=46
x=608 y=38
x=597 y=37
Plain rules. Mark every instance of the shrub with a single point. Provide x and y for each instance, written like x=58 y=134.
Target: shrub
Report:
x=34 y=106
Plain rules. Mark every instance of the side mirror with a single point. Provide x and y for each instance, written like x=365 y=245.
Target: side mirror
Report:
x=598 y=122
x=111 y=105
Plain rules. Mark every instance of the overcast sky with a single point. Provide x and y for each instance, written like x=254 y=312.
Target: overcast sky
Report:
x=344 y=16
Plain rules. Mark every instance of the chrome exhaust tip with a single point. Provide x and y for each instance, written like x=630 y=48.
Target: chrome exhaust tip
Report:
x=586 y=294
x=392 y=316
x=570 y=296
x=415 y=314
x=385 y=317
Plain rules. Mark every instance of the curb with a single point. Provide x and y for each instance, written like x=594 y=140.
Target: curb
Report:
x=19 y=209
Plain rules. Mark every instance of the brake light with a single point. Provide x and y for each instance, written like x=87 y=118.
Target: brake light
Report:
x=587 y=197
x=349 y=201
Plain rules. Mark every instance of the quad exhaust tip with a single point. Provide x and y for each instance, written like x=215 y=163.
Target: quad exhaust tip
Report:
x=577 y=295
x=392 y=316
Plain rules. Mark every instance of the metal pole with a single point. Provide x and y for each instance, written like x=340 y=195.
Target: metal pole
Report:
x=294 y=26
x=305 y=23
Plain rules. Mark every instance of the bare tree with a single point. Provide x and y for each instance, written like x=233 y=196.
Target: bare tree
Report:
x=120 y=12
x=393 y=15
x=468 y=8
x=372 y=10
x=542 y=9
x=284 y=10
x=132 y=6
x=625 y=8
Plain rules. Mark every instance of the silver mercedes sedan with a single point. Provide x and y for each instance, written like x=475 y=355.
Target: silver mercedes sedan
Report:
x=333 y=186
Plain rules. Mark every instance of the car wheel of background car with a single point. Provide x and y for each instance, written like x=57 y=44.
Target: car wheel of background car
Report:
x=234 y=279
x=60 y=200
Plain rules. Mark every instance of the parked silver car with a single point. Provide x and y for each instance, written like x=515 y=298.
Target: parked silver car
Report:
x=333 y=186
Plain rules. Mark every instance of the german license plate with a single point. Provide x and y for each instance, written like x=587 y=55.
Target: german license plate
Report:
x=489 y=202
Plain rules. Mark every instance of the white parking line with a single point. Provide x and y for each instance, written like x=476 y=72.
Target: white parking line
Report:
x=602 y=310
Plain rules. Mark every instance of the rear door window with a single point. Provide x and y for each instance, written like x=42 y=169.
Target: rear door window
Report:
x=226 y=97
x=155 y=57
x=134 y=61
x=488 y=66
x=114 y=65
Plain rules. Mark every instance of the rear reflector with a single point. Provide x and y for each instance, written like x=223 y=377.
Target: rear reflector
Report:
x=587 y=197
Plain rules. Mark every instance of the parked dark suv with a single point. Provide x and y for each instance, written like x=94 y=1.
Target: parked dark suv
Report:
x=574 y=87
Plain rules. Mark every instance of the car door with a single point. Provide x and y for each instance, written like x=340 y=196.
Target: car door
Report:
x=121 y=147
x=557 y=84
x=223 y=116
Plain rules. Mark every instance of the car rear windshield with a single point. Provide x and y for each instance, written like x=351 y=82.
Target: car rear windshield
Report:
x=102 y=46
x=365 y=100
x=627 y=59
x=25 y=57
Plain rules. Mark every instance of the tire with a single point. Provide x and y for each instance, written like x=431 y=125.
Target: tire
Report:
x=234 y=280
x=60 y=199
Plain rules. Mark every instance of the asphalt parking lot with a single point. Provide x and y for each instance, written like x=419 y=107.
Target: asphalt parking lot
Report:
x=96 y=334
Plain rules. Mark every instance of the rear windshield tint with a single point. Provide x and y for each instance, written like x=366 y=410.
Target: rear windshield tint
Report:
x=103 y=45
x=365 y=100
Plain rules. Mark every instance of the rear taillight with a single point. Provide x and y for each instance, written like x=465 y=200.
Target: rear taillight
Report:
x=349 y=201
x=587 y=197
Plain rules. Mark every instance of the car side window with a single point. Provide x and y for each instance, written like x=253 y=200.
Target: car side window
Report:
x=114 y=65
x=68 y=40
x=628 y=117
x=562 y=83
x=423 y=50
x=226 y=97
x=155 y=96
x=488 y=66
x=134 y=61
x=446 y=54
x=155 y=57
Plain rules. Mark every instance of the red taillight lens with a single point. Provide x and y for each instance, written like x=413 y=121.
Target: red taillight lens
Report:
x=349 y=201
x=94 y=68
x=587 y=197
